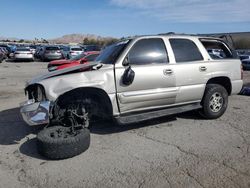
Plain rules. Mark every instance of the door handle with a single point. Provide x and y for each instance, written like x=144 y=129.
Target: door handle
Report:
x=203 y=68
x=167 y=71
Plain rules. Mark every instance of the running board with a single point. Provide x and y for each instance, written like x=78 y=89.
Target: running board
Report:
x=127 y=119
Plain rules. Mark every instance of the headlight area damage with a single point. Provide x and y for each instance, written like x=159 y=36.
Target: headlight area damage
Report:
x=36 y=110
x=66 y=134
x=35 y=113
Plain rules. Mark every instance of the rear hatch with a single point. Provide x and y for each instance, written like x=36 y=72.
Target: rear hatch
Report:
x=76 y=51
x=53 y=50
x=23 y=51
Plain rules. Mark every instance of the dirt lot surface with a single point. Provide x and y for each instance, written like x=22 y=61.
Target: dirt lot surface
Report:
x=176 y=151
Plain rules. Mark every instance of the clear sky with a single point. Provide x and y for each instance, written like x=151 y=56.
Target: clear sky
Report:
x=53 y=18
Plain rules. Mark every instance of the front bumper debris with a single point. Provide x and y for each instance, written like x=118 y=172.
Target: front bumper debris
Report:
x=35 y=113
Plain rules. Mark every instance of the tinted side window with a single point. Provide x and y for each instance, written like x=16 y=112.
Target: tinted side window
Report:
x=92 y=57
x=148 y=51
x=185 y=50
x=217 y=49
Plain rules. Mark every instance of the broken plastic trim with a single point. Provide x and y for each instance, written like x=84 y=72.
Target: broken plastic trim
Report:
x=35 y=113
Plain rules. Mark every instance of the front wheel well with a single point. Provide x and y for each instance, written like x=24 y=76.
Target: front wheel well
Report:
x=97 y=99
x=223 y=81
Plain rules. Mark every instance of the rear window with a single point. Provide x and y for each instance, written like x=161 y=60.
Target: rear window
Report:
x=76 y=49
x=52 y=48
x=217 y=49
x=23 y=49
x=64 y=48
x=78 y=57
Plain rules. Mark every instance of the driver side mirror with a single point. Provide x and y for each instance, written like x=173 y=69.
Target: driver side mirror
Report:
x=128 y=76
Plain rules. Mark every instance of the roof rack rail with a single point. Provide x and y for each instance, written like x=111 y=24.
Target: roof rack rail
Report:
x=173 y=33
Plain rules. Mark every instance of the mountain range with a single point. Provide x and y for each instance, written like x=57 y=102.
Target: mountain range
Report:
x=78 y=38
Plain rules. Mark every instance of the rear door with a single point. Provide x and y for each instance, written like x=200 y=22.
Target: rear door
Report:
x=191 y=70
x=153 y=85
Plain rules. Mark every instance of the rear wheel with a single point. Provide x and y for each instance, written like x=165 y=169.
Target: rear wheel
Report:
x=214 y=102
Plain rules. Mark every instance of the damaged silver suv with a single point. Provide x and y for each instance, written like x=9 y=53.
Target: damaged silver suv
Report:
x=133 y=80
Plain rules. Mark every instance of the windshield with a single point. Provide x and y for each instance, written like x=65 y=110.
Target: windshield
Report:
x=80 y=56
x=112 y=52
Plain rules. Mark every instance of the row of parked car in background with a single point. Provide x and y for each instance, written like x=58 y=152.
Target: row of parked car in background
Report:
x=63 y=56
x=244 y=56
x=43 y=52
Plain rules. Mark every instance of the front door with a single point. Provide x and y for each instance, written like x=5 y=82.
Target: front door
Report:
x=153 y=85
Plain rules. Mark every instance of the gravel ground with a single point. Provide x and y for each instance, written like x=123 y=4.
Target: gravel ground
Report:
x=176 y=151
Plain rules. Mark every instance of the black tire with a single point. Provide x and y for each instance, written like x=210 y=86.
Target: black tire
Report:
x=214 y=102
x=62 y=147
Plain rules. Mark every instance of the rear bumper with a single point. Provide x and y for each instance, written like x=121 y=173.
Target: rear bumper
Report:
x=20 y=56
x=53 y=57
x=236 y=86
x=35 y=113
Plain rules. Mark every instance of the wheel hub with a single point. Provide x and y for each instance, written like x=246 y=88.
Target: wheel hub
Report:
x=216 y=102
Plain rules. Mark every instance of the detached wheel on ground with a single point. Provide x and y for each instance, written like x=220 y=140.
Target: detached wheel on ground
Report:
x=60 y=142
x=214 y=102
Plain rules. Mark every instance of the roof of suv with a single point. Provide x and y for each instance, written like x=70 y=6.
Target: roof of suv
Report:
x=190 y=36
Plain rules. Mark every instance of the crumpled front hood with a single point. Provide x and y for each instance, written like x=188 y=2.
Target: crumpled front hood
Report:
x=85 y=67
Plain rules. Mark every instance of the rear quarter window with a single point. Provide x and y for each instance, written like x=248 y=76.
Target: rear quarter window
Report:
x=217 y=49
